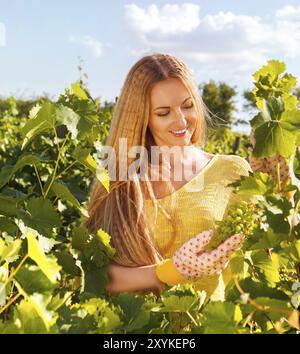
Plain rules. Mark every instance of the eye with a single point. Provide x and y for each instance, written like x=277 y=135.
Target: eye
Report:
x=190 y=106
x=163 y=115
x=187 y=107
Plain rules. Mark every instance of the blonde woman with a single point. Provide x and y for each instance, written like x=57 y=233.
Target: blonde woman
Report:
x=159 y=227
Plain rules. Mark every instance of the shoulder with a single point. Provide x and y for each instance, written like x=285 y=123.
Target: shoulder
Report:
x=236 y=160
x=230 y=160
x=235 y=165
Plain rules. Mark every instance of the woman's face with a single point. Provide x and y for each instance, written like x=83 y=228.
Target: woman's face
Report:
x=173 y=116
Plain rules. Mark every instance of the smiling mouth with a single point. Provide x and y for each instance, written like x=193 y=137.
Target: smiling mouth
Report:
x=179 y=132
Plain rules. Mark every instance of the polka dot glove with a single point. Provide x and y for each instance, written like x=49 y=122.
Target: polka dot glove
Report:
x=192 y=261
x=269 y=164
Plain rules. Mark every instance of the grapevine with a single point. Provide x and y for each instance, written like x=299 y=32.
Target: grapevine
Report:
x=53 y=272
x=241 y=218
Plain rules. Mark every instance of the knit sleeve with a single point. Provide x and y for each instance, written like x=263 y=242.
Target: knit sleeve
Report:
x=238 y=166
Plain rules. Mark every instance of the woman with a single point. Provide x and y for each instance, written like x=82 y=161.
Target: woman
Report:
x=159 y=227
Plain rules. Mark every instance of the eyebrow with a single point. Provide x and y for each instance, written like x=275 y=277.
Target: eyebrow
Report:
x=168 y=106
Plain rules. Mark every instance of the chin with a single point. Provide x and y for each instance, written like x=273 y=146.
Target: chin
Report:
x=182 y=143
x=187 y=140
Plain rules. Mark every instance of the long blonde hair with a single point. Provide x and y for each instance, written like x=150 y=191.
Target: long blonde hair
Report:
x=120 y=212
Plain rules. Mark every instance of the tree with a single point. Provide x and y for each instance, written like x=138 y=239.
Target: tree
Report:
x=219 y=98
x=250 y=103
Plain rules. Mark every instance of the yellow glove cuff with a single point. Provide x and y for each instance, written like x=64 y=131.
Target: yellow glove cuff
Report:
x=167 y=273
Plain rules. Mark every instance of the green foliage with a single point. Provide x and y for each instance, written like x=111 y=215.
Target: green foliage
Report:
x=225 y=141
x=249 y=97
x=53 y=272
x=222 y=318
x=47 y=265
x=277 y=124
x=219 y=100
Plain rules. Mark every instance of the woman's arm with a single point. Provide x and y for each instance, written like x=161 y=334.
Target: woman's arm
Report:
x=133 y=279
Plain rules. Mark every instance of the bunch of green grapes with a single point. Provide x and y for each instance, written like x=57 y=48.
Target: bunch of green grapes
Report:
x=241 y=218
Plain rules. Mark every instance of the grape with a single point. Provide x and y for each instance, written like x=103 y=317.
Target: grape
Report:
x=241 y=218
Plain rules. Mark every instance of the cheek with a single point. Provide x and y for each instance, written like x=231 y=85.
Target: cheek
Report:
x=192 y=118
x=158 y=125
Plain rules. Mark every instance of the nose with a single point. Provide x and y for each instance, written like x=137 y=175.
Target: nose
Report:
x=181 y=121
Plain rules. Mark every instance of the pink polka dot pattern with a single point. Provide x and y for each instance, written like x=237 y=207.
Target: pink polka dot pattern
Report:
x=191 y=261
x=269 y=164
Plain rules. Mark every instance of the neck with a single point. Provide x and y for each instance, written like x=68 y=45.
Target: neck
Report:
x=183 y=157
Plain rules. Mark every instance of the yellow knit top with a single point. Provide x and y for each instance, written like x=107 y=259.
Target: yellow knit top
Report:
x=195 y=207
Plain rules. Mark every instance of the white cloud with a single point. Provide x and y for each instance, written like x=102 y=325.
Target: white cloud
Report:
x=90 y=43
x=235 y=29
x=2 y=35
x=227 y=46
x=171 y=19
x=288 y=30
x=288 y=12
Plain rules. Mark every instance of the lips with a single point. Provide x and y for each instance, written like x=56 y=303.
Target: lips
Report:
x=179 y=132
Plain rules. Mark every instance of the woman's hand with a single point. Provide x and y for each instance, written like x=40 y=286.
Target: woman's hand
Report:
x=192 y=261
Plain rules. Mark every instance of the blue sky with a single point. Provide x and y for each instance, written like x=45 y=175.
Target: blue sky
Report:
x=40 y=41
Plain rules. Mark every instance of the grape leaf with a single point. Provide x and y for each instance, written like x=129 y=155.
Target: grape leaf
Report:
x=255 y=289
x=175 y=303
x=105 y=239
x=39 y=302
x=80 y=238
x=274 y=137
x=63 y=192
x=272 y=68
x=32 y=280
x=266 y=267
x=268 y=239
x=292 y=252
x=8 y=171
x=279 y=224
x=106 y=316
x=47 y=264
x=8 y=225
x=8 y=205
x=257 y=183
x=68 y=263
x=78 y=91
x=5 y=174
x=66 y=116
x=95 y=280
x=136 y=316
x=10 y=252
x=181 y=298
x=83 y=156
x=28 y=319
x=273 y=303
x=272 y=109
x=40 y=215
x=42 y=122
x=221 y=318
